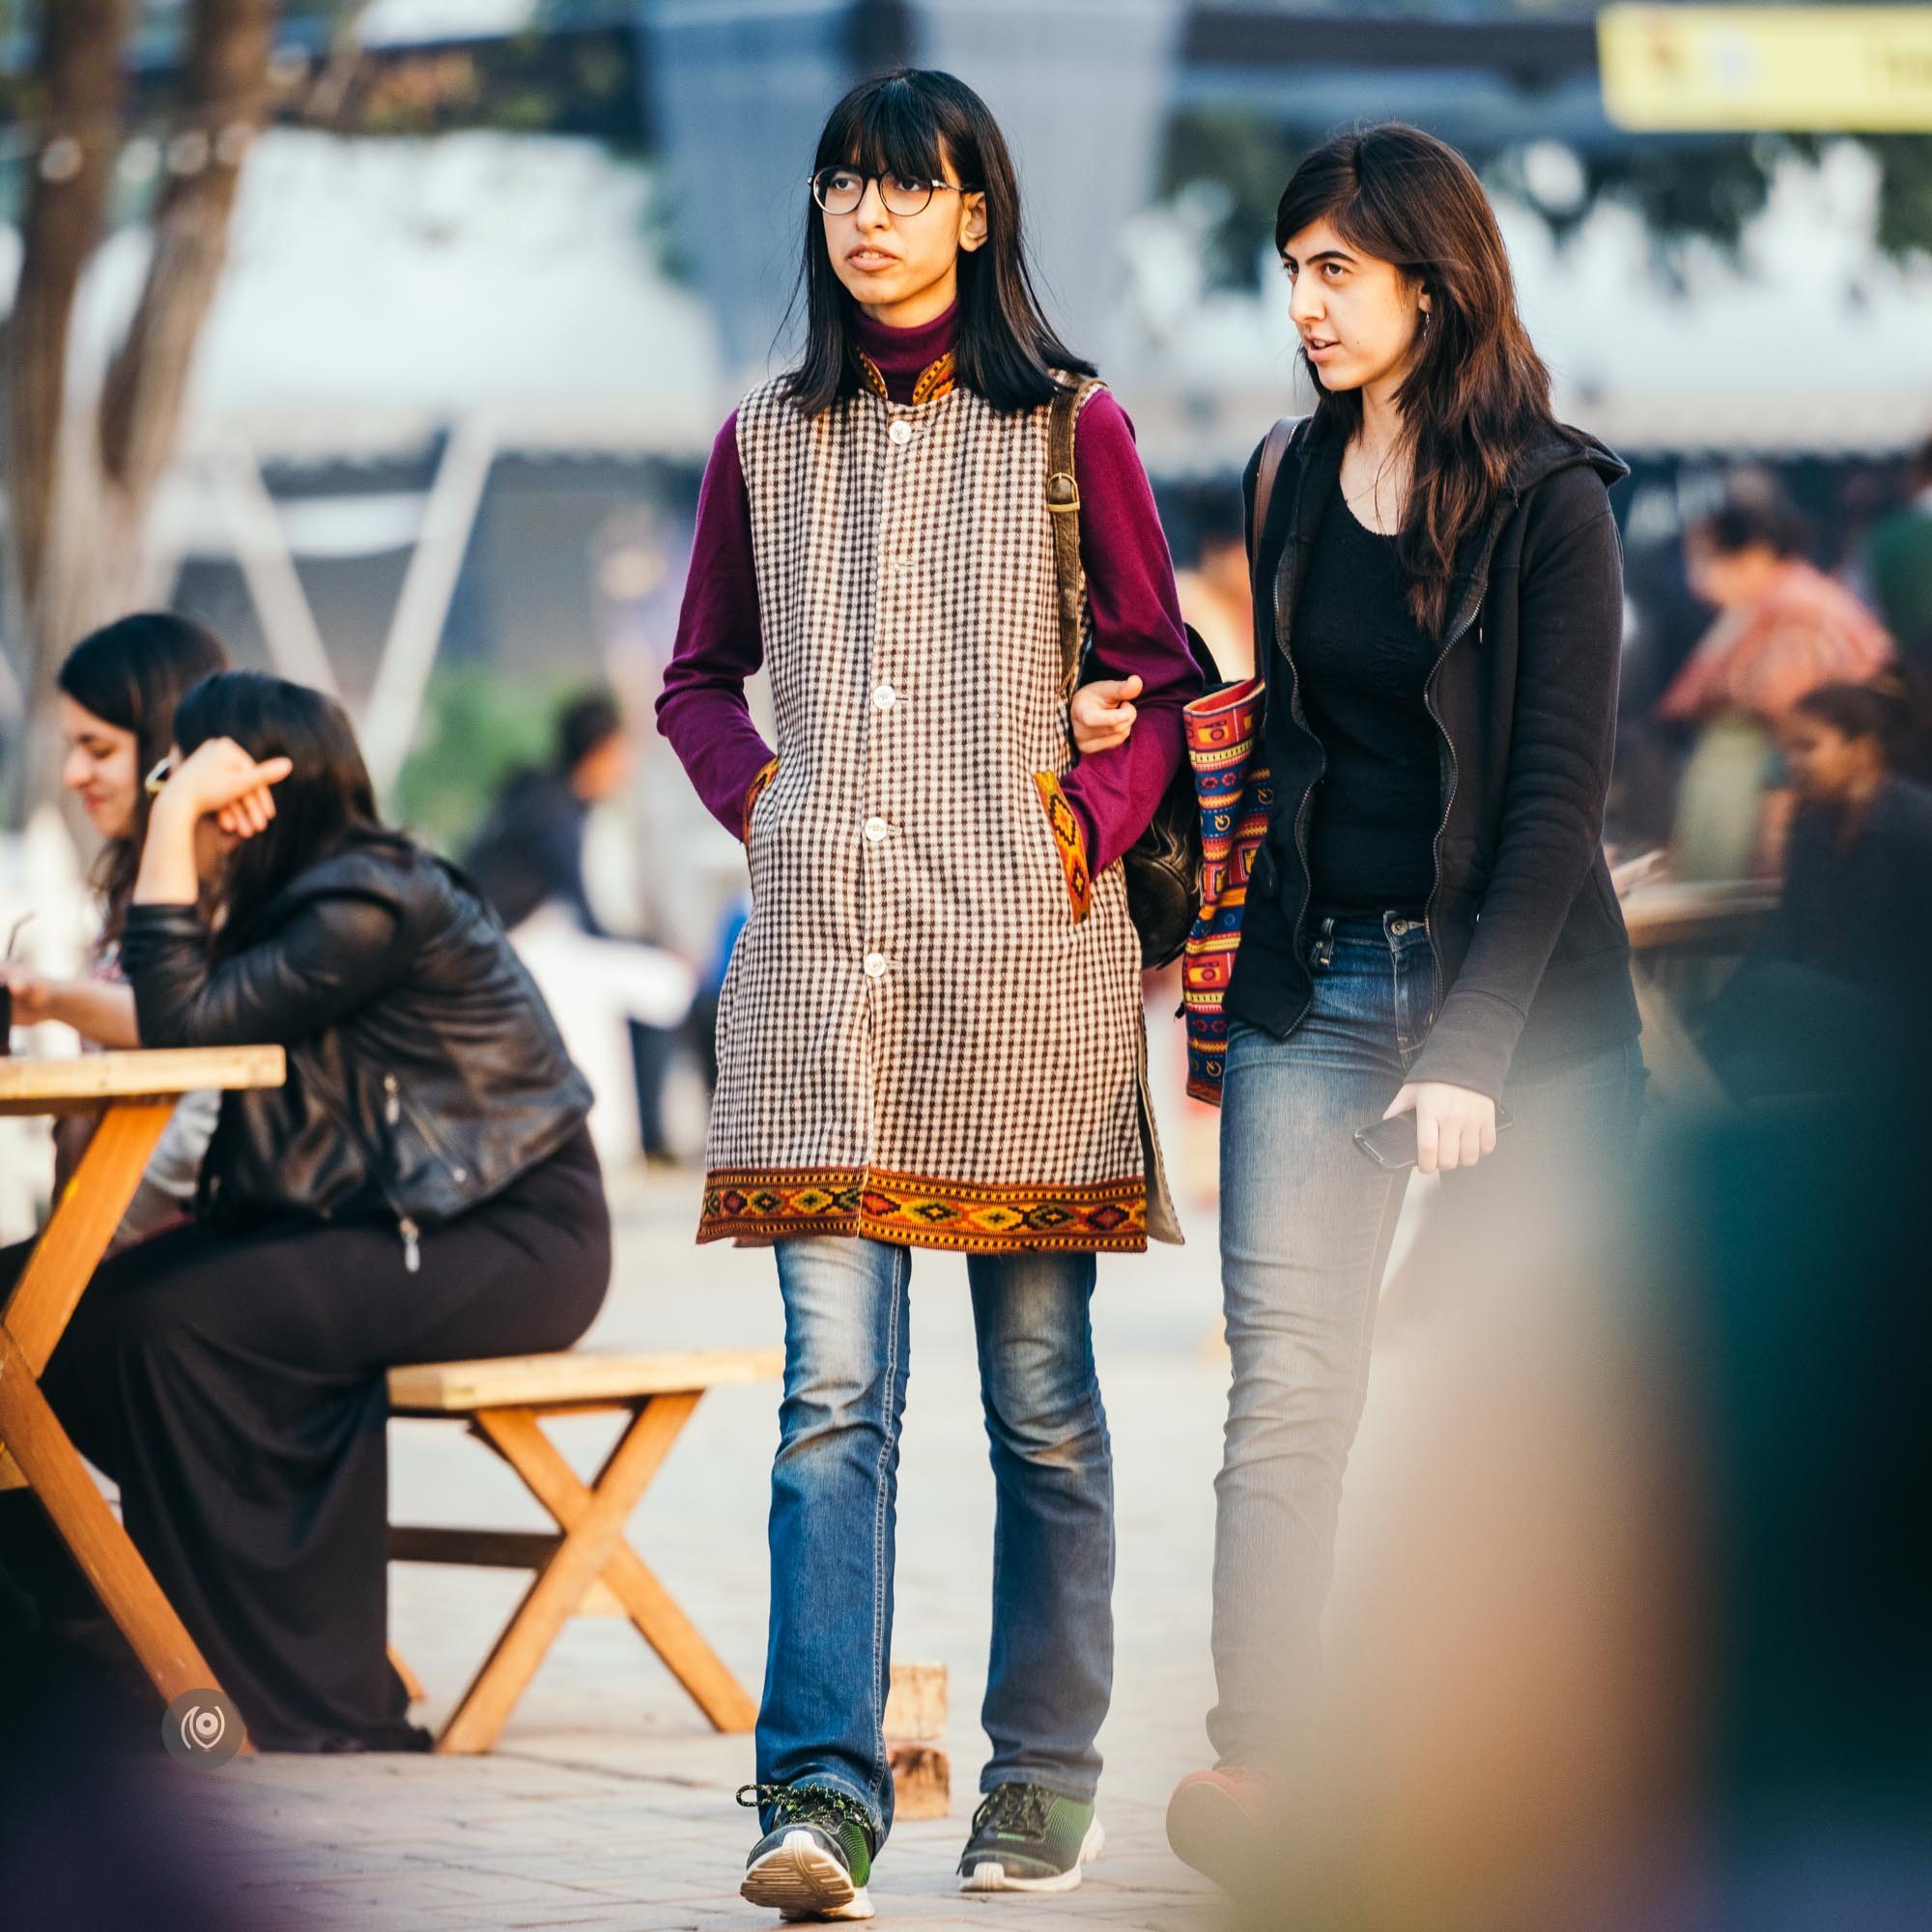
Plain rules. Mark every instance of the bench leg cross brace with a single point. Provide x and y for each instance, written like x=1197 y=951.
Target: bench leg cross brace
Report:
x=590 y=1550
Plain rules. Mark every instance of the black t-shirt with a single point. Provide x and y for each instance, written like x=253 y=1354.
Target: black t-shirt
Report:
x=1362 y=661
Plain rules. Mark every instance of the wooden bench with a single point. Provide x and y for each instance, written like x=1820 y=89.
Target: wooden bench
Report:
x=586 y=1567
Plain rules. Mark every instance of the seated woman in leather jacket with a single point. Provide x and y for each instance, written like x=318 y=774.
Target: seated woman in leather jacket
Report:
x=423 y=1187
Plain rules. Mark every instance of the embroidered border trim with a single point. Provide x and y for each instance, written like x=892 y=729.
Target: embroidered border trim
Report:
x=935 y=380
x=1069 y=842
x=1236 y=798
x=913 y=1210
x=767 y=772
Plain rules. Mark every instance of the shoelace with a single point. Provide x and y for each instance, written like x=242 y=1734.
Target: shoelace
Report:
x=1017 y=1808
x=806 y=1805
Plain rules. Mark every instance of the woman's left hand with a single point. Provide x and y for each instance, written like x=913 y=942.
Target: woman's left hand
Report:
x=1455 y=1126
x=222 y=779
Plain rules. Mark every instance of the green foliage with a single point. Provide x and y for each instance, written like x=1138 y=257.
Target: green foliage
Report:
x=478 y=725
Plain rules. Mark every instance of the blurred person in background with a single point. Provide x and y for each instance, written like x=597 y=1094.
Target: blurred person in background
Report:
x=1834 y=991
x=1430 y=929
x=1783 y=627
x=1898 y=562
x=117 y=691
x=1215 y=595
x=421 y=1189
x=530 y=848
x=931 y=1032
x=529 y=856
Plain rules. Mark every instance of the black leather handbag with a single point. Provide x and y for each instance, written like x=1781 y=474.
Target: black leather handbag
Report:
x=1163 y=864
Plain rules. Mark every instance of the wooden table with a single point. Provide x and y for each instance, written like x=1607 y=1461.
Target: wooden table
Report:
x=1667 y=921
x=138 y=1092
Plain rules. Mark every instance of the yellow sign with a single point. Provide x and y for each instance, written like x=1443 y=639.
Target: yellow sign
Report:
x=1835 y=69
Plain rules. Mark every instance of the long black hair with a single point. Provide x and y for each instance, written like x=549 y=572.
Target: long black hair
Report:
x=1478 y=393
x=912 y=121
x=131 y=675
x=325 y=804
x=1892 y=710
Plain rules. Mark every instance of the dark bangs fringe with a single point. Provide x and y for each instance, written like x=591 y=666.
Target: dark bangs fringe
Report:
x=910 y=121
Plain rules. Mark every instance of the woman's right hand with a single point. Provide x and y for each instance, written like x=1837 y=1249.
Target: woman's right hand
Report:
x=219 y=778
x=1103 y=714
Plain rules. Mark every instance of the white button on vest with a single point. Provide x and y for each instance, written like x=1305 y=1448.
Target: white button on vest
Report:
x=875 y=828
x=901 y=430
x=875 y=965
x=884 y=697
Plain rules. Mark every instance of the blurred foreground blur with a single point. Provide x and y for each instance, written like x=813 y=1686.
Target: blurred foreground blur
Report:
x=1642 y=1641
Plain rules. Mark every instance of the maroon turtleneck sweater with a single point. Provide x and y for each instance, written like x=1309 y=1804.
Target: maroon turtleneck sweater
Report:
x=1137 y=627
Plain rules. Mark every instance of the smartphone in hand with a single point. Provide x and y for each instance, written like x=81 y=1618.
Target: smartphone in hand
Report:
x=1391 y=1144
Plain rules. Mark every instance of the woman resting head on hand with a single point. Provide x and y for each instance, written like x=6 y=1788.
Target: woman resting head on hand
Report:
x=422 y=1187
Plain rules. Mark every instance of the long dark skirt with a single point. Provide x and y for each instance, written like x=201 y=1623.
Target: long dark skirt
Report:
x=233 y=1385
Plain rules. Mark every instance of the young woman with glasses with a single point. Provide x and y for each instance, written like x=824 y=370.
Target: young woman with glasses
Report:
x=930 y=1035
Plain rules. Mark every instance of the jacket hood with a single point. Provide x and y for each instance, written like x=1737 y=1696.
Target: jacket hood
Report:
x=1565 y=448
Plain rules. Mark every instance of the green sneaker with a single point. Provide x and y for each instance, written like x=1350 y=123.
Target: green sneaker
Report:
x=816 y=1859
x=1028 y=1839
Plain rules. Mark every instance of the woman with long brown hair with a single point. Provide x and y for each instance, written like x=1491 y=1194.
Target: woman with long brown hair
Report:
x=1429 y=930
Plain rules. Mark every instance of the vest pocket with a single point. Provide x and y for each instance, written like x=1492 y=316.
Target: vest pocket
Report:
x=1070 y=844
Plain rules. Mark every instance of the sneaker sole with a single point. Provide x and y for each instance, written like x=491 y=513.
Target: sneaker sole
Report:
x=988 y=1875
x=1210 y=1832
x=802 y=1880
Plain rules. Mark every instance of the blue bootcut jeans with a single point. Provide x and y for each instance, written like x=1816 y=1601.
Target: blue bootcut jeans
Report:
x=834 y=1488
x=1306 y=1224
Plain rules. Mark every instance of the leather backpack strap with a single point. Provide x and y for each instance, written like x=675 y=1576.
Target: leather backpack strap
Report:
x=1063 y=504
x=1273 y=449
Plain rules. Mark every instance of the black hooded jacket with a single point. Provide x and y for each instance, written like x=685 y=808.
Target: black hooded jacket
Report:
x=1532 y=961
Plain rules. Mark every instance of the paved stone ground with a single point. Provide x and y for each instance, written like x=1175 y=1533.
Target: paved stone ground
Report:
x=609 y=1803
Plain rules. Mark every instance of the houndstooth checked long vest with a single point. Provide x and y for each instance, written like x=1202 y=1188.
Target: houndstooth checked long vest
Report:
x=920 y=1037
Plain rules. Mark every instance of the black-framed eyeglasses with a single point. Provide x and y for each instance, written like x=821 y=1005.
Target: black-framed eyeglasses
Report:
x=840 y=190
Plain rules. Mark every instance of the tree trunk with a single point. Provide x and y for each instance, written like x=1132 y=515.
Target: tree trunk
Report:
x=82 y=471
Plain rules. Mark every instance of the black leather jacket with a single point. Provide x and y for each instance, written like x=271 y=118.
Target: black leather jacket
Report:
x=425 y=1072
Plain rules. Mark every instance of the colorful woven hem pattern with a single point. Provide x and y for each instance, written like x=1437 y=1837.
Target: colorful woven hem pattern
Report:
x=1237 y=796
x=1105 y=1217
x=767 y=772
x=1069 y=842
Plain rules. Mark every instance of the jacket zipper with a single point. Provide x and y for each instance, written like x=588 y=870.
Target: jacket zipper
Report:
x=405 y=1226
x=394 y=1109
x=1472 y=616
x=392 y=1112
